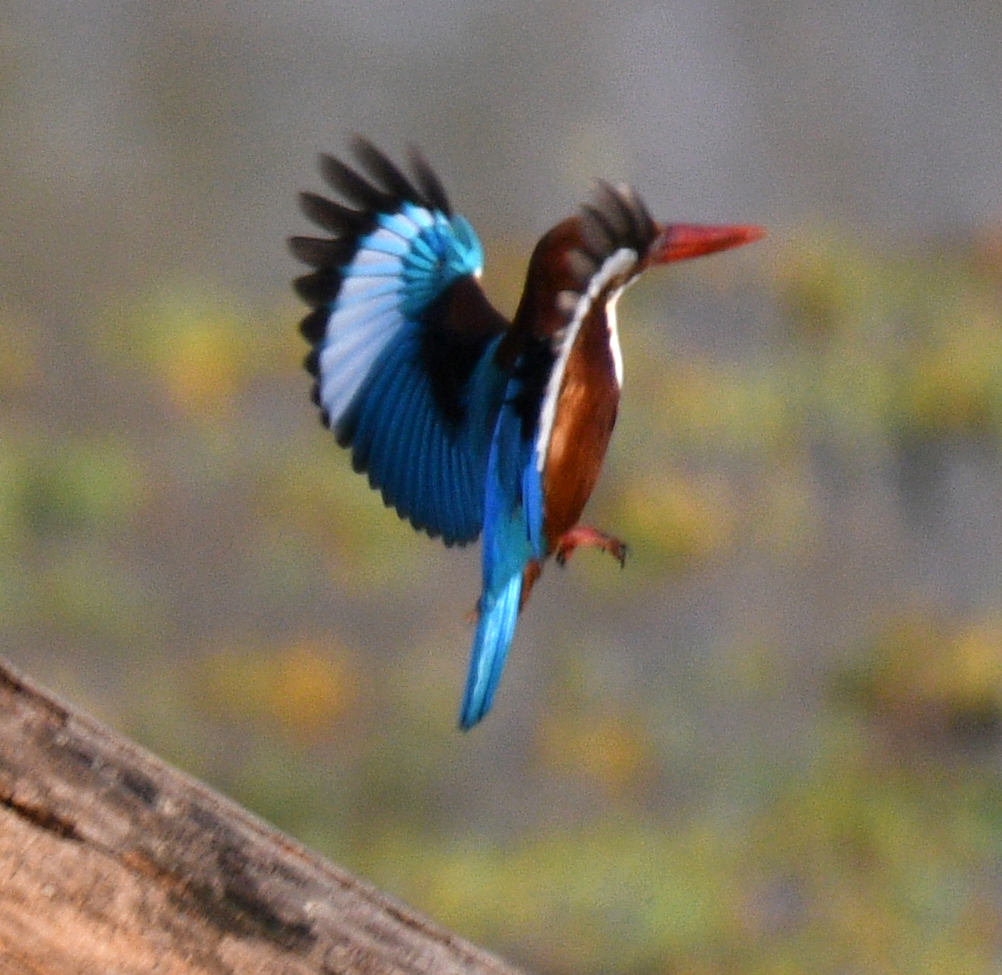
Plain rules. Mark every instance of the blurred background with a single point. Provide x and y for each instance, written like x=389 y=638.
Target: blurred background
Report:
x=772 y=742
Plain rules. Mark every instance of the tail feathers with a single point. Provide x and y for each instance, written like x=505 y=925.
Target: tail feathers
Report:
x=498 y=615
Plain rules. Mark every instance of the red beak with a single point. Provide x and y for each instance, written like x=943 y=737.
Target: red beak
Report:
x=680 y=241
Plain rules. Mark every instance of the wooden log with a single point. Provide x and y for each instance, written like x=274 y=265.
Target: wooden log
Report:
x=113 y=862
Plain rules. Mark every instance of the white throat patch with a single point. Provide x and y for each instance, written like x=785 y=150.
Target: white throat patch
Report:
x=615 y=265
x=611 y=322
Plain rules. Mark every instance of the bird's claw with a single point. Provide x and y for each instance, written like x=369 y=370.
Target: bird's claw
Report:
x=583 y=535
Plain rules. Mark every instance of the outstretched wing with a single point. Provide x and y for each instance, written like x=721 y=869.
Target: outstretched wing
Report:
x=401 y=335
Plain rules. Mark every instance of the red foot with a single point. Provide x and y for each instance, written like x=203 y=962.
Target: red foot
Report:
x=583 y=535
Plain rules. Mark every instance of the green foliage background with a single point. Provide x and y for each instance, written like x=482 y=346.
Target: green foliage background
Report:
x=769 y=745
x=211 y=577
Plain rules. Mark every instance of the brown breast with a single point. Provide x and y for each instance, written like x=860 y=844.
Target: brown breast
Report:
x=583 y=421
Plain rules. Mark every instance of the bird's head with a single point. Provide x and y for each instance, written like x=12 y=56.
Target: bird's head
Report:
x=594 y=255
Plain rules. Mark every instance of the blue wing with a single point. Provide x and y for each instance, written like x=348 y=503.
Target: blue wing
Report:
x=402 y=337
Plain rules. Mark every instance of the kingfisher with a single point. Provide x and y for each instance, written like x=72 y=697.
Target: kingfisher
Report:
x=470 y=424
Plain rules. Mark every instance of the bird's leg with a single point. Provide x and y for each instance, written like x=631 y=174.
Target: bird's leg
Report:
x=583 y=535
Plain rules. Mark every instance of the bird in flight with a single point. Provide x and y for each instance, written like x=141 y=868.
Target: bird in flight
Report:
x=467 y=423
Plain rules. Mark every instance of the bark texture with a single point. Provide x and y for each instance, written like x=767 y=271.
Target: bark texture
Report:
x=111 y=861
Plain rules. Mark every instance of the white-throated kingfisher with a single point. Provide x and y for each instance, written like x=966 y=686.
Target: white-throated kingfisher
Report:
x=466 y=422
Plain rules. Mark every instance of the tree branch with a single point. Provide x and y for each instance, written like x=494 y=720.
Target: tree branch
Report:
x=111 y=861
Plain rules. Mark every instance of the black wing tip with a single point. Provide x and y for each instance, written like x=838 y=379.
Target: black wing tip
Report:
x=335 y=218
x=428 y=181
x=311 y=363
x=385 y=172
x=354 y=187
x=320 y=287
x=317 y=252
x=314 y=326
x=377 y=186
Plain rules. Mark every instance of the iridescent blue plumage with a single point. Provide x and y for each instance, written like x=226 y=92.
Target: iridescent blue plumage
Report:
x=467 y=424
x=513 y=526
x=381 y=327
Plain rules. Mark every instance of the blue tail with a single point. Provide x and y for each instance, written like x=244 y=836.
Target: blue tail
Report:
x=498 y=615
